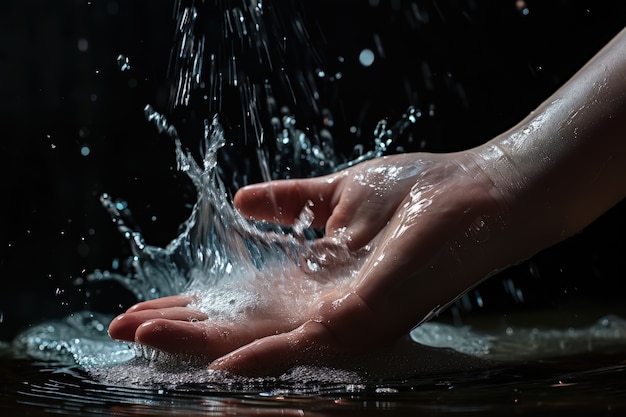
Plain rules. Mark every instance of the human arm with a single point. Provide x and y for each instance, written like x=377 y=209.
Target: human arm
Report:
x=549 y=177
x=435 y=225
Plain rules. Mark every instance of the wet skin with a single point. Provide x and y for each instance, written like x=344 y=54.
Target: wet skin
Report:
x=380 y=203
x=431 y=226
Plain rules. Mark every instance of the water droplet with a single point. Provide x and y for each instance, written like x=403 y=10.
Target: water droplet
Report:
x=366 y=57
x=123 y=62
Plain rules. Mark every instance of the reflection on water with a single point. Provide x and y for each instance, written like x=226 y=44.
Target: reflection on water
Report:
x=486 y=368
x=577 y=385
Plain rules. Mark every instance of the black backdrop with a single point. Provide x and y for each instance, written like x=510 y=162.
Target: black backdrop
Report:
x=479 y=67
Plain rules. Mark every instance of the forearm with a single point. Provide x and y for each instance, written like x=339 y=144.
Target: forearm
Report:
x=565 y=164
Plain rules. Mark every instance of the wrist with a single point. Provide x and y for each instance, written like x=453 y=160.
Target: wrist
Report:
x=521 y=179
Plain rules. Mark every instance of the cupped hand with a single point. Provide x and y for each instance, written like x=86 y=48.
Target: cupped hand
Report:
x=419 y=222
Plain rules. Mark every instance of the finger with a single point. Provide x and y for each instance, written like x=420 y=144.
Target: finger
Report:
x=194 y=338
x=341 y=325
x=124 y=326
x=204 y=338
x=282 y=201
x=275 y=354
x=164 y=302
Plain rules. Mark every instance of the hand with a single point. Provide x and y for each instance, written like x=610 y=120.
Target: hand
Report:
x=416 y=215
x=430 y=226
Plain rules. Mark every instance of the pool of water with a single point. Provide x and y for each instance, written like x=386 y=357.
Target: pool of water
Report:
x=489 y=366
x=591 y=385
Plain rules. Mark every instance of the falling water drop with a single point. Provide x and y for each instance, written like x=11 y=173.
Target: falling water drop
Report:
x=366 y=57
x=123 y=62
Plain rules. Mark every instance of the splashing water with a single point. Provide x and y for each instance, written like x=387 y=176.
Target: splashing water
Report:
x=220 y=256
x=205 y=252
x=218 y=250
x=226 y=259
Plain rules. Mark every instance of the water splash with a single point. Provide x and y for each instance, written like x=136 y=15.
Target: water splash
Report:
x=218 y=253
x=518 y=343
x=79 y=338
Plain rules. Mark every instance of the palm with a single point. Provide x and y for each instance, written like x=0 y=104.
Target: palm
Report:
x=180 y=324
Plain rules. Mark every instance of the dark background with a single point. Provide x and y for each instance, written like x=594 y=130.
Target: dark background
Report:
x=473 y=68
